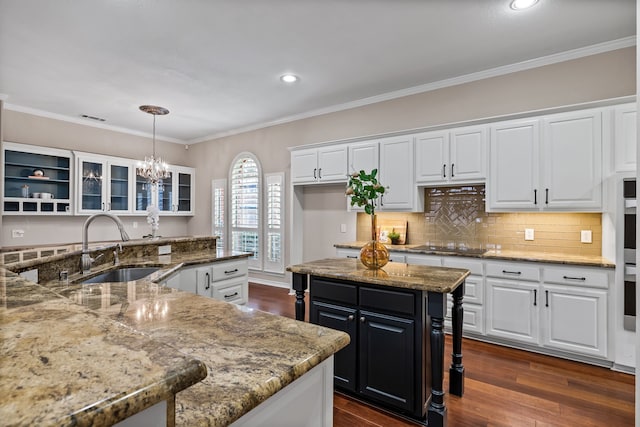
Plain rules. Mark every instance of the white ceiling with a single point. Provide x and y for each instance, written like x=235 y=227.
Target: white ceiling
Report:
x=215 y=64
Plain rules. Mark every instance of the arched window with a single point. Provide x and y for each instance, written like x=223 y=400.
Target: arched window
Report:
x=244 y=215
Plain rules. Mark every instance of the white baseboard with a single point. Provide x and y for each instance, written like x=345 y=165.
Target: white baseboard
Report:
x=267 y=282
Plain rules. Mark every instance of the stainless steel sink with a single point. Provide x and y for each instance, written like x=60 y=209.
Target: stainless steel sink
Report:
x=124 y=274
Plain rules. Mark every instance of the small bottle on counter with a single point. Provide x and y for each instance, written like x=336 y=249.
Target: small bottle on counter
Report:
x=25 y=191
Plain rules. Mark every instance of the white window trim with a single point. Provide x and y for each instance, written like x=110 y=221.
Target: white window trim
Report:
x=216 y=231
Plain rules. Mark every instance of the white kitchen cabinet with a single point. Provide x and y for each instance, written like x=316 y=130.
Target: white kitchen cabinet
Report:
x=473 y=299
x=572 y=161
x=552 y=163
x=175 y=194
x=575 y=319
x=20 y=184
x=512 y=310
x=103 y=184
x=363 y=156
x=625 y=142
x=319 y=165
x=452 y=156
x=396 y=175
x=514 y=165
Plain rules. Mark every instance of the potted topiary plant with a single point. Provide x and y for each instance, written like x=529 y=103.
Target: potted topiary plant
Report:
x=394 y=237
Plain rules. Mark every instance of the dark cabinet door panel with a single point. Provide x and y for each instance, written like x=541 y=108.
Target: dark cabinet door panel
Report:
x=342 y=319
x=387 y=359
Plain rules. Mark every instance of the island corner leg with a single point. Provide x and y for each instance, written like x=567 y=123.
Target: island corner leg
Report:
x=456 y=371
x=300 y=283
x=437 y=411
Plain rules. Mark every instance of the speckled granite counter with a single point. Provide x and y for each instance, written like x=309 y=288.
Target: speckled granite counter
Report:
x=62 y=364
x=531 y=256
x=394 y=274
x=249 y=355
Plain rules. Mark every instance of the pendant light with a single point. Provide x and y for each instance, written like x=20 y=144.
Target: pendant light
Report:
x=153 y=169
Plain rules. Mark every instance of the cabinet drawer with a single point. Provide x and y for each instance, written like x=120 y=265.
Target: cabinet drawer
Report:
x=386 y=300
x=431 y=260
x=396 y=257
x=576 y=276
x=473 y=265
x=513 y=271
x=339 y=292
x=228 y=269
x=232 y=290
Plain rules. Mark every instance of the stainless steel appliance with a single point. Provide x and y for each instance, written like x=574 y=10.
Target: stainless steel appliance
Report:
x=630 y=205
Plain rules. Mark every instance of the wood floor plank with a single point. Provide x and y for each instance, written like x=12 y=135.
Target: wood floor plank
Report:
x=504 y=387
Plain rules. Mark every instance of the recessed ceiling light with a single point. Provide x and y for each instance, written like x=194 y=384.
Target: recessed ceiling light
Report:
x=522 y=4
x=289 y=78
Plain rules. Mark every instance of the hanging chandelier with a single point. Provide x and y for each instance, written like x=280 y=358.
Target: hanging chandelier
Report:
x=153 y=169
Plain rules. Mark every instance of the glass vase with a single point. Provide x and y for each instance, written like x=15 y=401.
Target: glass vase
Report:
x=374 y=255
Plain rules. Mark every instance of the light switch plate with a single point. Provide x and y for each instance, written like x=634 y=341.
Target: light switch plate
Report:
x=585 y=236
x=528 y=234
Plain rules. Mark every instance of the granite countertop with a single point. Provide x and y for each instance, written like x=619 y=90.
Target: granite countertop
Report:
x=506 y=255
x=394 y=274
x=62 y=364
x=249 y=355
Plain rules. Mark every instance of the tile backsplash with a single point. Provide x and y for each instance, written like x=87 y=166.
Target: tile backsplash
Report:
x=455 y=216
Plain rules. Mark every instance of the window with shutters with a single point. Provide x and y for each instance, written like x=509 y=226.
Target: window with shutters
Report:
x=244 y=215
x=219 y=188
x=274 y=195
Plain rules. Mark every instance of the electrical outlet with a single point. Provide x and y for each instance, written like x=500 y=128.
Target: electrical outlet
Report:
x=135 y=224
x=528 y=234
x=16 y=234
x=164 y=250
x=343 y=228
x=585 y=236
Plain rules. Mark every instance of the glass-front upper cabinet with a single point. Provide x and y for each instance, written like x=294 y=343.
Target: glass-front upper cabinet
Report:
x=36 y=180
x=103 y=184
x=175 y=193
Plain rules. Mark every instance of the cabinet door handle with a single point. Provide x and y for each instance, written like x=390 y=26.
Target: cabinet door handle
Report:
x=320 y=173
x=444 y=170
x=381 y=201
x=363 y=319
x=314 y=173
x=235 y=270
x=511 y=272
x=535 y=297
x=535 y=196
x=208 y=280
x=546 y=196
x=574 y=278
x=452 y=174
x=235 y=294
x=546 y=300
x=351 y=317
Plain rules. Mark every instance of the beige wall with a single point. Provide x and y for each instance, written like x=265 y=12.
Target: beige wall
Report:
x=603 y=76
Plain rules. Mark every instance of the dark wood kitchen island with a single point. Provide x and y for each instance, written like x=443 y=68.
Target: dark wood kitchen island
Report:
x=395 y=318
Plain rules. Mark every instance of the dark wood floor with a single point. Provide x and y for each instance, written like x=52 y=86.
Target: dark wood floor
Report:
x=504 y=387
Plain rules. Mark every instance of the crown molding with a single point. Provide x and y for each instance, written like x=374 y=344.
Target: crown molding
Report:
x=87 y=122
x=454 y=81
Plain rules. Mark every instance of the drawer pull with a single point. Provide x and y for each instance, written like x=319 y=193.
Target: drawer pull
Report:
x=352 y=256
x=235 y=294
x=511 y=272
x=574 y=278
x=235 y=270
x=350 y=318
x=363 y=319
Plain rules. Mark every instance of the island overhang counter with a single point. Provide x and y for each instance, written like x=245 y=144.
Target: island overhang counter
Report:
x=395 y=318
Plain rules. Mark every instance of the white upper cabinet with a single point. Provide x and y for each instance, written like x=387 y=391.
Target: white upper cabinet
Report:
x=625 y=141
x=514 y=160
x=572 y=161
x=550 y=163
x=319 y=165
x=104 y=184
x=396 y=173
x=456 y=155
x=363 y=156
